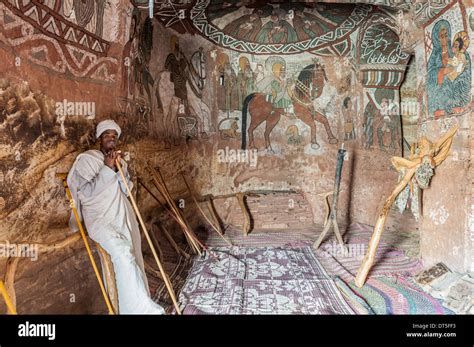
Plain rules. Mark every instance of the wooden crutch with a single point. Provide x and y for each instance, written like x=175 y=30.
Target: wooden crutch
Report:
x=86 y=243
x=147 y=235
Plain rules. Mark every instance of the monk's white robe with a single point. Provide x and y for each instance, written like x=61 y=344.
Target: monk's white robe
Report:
x=101 y=200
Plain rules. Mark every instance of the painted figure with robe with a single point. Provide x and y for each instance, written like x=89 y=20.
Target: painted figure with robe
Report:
x=449 y=72
x=349 y=126
x=246 y=27
x=277 y=30
x=227 y=92
x=276 y=86
x=245 y=80
x=177 y=64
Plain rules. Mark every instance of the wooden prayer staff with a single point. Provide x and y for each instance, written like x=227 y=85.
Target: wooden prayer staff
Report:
x=332 y=220
x=86 y=243
x=419 y=166
x=160 y=185
x=162 y=228
x=192 y=239
x=150 y=243
x=8 y=302
x=203 y=214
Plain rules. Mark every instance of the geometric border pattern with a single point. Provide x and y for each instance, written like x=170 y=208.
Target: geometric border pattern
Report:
x=44 y=49
x=208 y=30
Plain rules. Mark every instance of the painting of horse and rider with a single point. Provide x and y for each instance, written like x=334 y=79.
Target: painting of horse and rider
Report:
x=278 y=95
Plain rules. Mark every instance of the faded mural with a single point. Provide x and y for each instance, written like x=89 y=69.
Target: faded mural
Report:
x=62 y=37
x=293 y=81
x=264 y=99
x=448 y=64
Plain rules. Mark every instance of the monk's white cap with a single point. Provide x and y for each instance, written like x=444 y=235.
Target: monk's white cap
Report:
x=105 y=125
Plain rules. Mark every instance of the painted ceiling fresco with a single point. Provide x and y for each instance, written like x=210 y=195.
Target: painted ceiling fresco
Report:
x=266 y=27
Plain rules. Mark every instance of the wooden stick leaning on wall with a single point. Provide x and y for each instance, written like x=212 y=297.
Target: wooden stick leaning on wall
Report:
x=157 y=174
x=150 y=243
x=203 y=214
x=427 y=155
x=10 y=307
x=162 y=228
x=160 y=185
x=172 y=242
x=174 y=214
x=9 y=279
x=180 y=222
x=89 y=252
x=213 y=212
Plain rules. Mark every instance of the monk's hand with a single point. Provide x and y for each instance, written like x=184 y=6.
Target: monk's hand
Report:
x=109 y=159
x=118 y=157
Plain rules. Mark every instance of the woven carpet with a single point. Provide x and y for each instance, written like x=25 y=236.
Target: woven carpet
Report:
x=394 y=254
x=288 y=276
x=265 y=280
x=396 y=295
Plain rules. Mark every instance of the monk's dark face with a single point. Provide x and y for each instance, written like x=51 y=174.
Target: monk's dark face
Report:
x=108 y=140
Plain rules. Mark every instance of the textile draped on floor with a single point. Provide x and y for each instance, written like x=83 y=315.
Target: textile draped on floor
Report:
x=270 y=280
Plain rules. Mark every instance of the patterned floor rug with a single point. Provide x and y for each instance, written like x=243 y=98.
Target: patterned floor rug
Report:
x=396 y=295
x=264 y=280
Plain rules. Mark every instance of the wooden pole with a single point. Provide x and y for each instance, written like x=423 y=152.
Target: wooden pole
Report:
x=8 y=302
x=89 y=252
x=172 y=242
x=9 y=283
x=213 y=212
x=150 y=243
x=158 y=181
x=203 y=214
